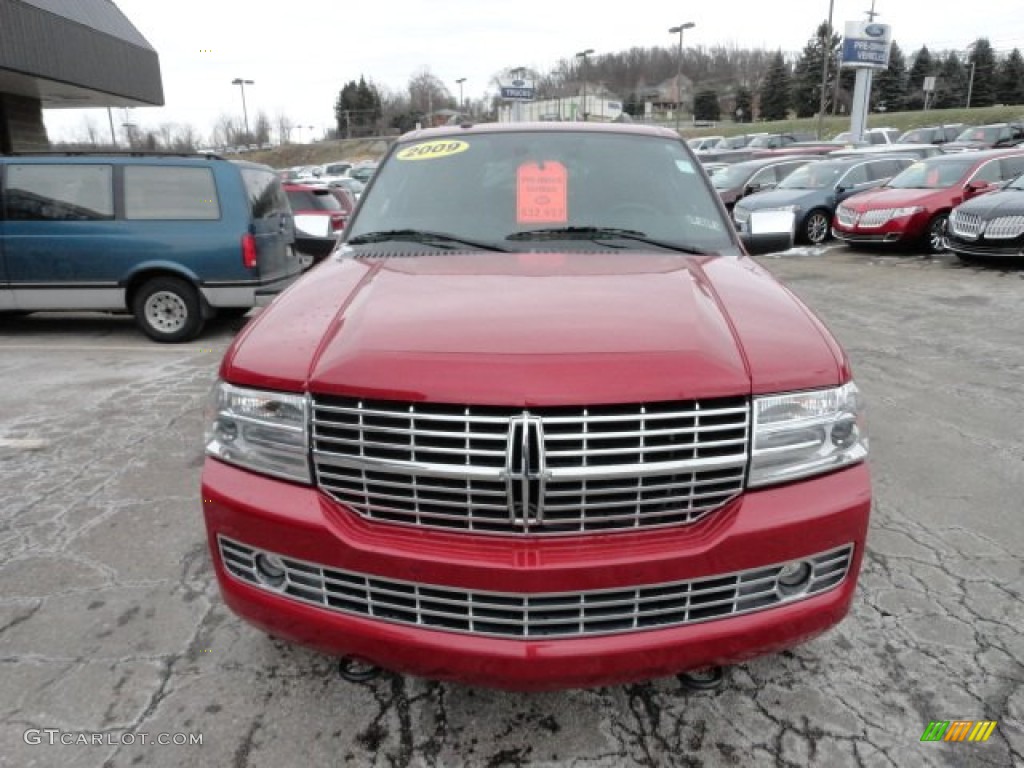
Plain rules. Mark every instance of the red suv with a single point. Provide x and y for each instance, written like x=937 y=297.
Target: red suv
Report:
x=539 y=422
x=914 y=205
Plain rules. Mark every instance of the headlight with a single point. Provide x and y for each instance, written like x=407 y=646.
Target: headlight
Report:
x=790 y=208
x=259 y=430
x=898 y=213
x=807 y=433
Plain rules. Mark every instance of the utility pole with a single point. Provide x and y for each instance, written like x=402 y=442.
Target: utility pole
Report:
x=583 y=55
x=826 y=55
x=679 y=68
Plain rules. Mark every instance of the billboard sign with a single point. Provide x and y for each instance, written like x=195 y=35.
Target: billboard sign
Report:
x=866 y=44
x=517 y=90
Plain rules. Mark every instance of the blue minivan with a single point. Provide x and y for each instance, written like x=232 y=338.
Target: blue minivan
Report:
x=172 y=239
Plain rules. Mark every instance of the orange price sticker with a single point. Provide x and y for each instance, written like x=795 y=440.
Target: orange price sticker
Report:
x=541 y=193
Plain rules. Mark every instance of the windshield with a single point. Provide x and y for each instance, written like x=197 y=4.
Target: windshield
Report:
x=985 y=133
x=919 y=136
x=939 y=173
x=762 y=141
x=1017 y=183
x=814 y=176
x=561 y=185
x=731 y=176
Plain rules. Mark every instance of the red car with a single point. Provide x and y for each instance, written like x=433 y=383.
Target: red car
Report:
x=913 y=207
x=319 y=219
x=539 y=423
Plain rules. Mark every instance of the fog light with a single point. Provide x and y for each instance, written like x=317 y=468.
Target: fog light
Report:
x=793 y=579
x=844 y=432
x=269 y=570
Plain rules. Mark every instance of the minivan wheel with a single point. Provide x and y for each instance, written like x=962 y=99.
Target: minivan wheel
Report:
x=167 y=309
x=816 y=227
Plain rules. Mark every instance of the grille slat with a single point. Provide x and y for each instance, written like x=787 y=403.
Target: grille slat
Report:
x=552 y=471
x=549 y=615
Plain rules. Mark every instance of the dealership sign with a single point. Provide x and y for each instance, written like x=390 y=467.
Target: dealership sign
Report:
x=866 y=44
x=517 y=90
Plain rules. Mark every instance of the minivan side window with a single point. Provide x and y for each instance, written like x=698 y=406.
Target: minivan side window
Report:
x=169 y=192
x=266 y=195
x=69 y=192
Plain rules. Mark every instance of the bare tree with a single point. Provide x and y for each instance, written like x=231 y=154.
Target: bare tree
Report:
x=166 y=133
x=186 y=139
x=227 y=131
x=284 y=128
x=261 y=128
x=427 y=93
x=90 y=132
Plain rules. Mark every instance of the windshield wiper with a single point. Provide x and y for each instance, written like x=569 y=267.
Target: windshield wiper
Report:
x=425 y=236
x=603 y=233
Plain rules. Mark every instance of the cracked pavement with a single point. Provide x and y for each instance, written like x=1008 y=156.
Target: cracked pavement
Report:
x=110 y=619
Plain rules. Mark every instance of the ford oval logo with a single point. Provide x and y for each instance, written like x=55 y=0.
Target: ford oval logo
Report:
x=874 y=30
x=518 y=83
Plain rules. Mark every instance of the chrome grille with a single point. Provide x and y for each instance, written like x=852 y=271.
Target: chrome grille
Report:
x=548 y=615
x=1005 y=228
x=846 y=216
x=875 y=218
x=966 y=225
x=542 y=471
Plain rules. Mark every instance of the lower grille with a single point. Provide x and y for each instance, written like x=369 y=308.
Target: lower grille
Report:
x=548 y=615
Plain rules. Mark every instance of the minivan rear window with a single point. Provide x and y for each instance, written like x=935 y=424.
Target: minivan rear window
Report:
x=169 y=192
x=266 y=195
x=68 y=192
x=313 y=200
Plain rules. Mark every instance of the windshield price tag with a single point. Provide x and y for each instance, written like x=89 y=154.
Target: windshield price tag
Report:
x=541 y=193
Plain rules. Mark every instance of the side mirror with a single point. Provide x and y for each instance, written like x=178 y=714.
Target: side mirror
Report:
x=768 y=232
x=977 y=186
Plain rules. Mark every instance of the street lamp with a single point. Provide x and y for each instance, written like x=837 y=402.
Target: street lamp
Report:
x=462 y=102
x=970 y=80
x=679 y=68
x=245 y=112
x=583 y=55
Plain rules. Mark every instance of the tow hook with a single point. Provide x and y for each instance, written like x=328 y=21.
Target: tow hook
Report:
x=356 y=670
x=708 y=679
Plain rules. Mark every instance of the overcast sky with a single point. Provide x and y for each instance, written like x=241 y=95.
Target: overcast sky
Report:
x=300 y=53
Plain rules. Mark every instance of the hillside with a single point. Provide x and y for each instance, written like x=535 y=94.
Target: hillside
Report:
x=352 y=150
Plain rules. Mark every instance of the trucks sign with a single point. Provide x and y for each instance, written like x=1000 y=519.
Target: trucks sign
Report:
x=517 y=90
x=866 y=44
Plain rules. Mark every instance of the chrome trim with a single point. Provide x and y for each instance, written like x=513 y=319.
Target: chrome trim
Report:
x=966 y=225
x=572 y=469
x=547 y=615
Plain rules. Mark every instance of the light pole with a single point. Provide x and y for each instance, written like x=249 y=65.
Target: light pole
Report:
x=462 y=102
x=970 y=79
x=583 y=55
x=826 y=54
x=518 y=73
x=679 y=68
x=245 y=112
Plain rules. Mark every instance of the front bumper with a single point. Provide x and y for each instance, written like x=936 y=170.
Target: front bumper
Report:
x=1013 y=249
x=907 y=229
x=761 y=528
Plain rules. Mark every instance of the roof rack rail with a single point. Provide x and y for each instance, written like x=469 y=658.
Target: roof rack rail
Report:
x=115 y=152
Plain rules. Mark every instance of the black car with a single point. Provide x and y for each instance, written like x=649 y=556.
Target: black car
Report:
x=741 y=179
x=932 y=134
x=991 y=225
x=994 y=136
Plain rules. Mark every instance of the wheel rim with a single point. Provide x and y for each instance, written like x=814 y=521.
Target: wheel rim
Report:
x=937 y=235
x=166 y=311
x=817 y=228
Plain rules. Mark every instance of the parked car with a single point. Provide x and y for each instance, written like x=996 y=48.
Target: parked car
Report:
x=700 y=143
x=987 y=137
x=738 y=180
x=336 y=169
x=363 y=173
x=989 y=226
x=172 y=239
x=778 y=140
x=354 y=186
x=539 y=423
x=871 y=136
x=919 y=151
x=813 y=191
x=913 y=207
x=732 y=149
x=319 y=218
x=932 y=134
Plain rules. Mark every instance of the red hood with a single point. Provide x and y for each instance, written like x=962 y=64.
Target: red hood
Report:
x=900 y=198
x=536 y=329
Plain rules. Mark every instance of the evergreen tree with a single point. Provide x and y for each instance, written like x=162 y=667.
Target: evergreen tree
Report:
x=776 y=90
x=924 y=66
x=744 y=112
x=807 y=72
x=951 y=85
x=983 y=82
x=1010 y=79
x=706 y=106
x=889 y=88
x=358 y=108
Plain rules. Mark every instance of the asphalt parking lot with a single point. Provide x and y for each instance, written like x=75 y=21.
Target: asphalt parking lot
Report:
x=110 y=621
